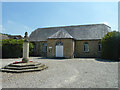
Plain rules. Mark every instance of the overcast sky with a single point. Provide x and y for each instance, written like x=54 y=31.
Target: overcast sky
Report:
x=19 y=17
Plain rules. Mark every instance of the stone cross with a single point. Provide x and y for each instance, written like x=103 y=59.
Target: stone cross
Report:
x=25 y=49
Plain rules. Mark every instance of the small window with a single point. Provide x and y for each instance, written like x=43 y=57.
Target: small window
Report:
x=86 y=47
x=99 y=47
x=45 y=47
x=34 y=49
x=59 y=43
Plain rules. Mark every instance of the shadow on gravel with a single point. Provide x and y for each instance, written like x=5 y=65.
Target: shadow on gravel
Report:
x=105 y=60
x=97 y=59
x=52 y=58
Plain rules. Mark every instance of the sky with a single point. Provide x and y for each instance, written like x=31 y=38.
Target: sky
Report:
x=19 y=17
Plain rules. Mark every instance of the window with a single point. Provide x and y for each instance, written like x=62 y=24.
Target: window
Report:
x=45 y=47
x=59 y=43
x=34 y=49
x=86 y=47
x=99 y=47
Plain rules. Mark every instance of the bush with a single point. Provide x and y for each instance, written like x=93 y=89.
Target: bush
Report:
x=12 y=48
x=31 y=49
x=111 y=46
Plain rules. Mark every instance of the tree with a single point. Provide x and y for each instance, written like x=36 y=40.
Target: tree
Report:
x=111 y=45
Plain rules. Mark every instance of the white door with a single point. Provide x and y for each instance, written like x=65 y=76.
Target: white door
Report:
x=59 y=50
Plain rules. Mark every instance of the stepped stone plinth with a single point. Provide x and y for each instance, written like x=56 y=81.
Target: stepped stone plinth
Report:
x=24 y=67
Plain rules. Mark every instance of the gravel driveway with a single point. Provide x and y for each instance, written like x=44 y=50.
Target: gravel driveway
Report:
x=65 y=73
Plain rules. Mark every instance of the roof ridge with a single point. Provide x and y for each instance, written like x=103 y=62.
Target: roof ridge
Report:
x=73 y=26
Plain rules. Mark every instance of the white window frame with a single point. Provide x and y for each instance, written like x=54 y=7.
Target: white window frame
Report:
x=86 y=46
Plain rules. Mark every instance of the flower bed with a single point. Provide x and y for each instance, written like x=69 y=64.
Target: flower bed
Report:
x=16 y=62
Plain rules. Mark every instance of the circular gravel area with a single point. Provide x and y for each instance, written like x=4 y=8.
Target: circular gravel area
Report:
x=65 y=73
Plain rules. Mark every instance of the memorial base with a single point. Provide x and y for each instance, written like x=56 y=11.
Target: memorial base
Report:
x=24 y=67
x=25 y=60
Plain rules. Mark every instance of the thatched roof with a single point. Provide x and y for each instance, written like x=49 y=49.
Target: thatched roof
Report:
x=79 y=32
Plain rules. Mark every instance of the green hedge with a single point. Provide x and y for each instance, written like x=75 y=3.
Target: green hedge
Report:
x=111 y=46
x=12 y=48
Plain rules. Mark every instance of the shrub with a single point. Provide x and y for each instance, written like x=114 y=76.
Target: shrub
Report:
x=12 y=48
x=31 y=48
x=111 y=45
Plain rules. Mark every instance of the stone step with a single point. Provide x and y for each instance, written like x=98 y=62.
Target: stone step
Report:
x=24 y=64
x=21 y=68
x=25 y=70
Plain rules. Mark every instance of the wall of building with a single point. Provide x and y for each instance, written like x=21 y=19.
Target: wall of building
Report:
x=71 y=48
x=93 y=48
x=68 y=47
x=38 y=48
